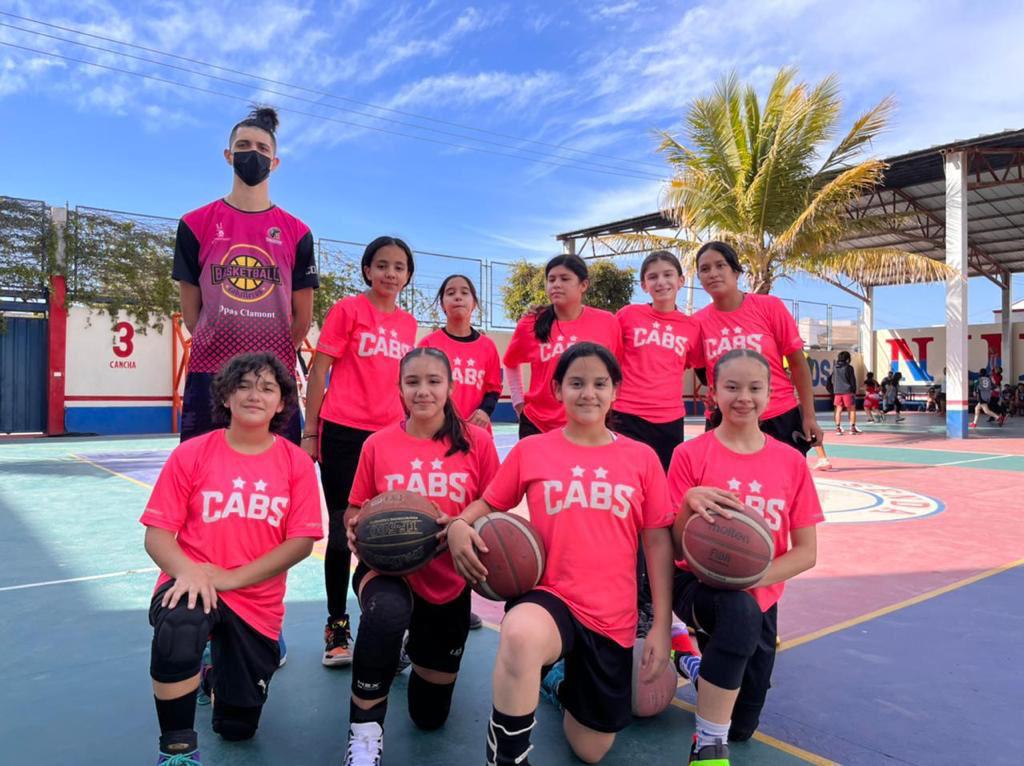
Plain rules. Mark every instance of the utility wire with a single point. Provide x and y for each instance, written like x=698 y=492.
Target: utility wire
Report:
x=322 y=93
x=314 y=102
x=349 y=123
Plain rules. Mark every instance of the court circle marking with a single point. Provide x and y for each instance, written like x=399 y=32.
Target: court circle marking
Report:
x=858 y=502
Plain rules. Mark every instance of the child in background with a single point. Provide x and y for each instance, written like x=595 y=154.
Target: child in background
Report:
x=872 y=398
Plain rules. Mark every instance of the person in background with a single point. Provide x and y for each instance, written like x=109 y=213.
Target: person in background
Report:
x=844 y=392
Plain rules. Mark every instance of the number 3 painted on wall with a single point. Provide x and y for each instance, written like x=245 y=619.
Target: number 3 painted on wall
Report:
x=123 y=345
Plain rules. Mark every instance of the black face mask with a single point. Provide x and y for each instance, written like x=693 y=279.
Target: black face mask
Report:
x=252 y=167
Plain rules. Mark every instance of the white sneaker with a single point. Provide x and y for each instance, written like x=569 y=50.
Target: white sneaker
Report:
x=365 y=744
x=823 y=464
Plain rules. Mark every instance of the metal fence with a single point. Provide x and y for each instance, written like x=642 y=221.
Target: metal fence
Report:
x=24 y=239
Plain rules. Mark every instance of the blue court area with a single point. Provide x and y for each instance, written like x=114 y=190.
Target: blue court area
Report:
x=935 y=683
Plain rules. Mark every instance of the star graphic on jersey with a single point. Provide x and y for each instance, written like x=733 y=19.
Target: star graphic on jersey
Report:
x=577 y=472
x=737 y=330
x=601 y=473
x=572 y=338
x=655 y=325
x=381 y=330
x=458 y=361
x=260 y=485
x=734 y=485
x=561 y=337
x=417 y=464
x=437 y=464
x=471 y=363
x=755 y=487
x=668 y=328
x=239 y=483
x=725 y=331
x=394 y=333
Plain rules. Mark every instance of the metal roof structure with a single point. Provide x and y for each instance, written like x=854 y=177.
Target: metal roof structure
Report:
x=910 y=206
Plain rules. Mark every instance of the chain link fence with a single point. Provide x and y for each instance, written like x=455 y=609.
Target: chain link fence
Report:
x=26 y=247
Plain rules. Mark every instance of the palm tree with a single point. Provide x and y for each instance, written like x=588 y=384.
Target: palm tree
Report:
x=757 y=176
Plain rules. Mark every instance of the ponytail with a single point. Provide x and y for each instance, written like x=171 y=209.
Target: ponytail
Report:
x=545 y=321
x=454 y=430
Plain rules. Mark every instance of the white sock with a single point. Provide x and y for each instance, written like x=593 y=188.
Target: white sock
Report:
x=709 y=733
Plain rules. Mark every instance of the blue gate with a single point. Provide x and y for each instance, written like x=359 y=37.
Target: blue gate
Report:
x=22 y=374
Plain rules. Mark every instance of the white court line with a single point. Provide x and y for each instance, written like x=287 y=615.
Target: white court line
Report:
x=145 y=570
x=972 y=460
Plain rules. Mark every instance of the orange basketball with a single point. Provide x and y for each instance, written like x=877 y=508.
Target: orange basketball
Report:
x=731 y=554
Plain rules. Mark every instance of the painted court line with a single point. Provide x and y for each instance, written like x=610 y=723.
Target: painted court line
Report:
x=142 y=570
x=778 y=744
x=118 y=474
x=972 y=460
x=926 y=596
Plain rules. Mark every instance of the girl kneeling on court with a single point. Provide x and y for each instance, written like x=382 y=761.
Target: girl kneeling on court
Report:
x=231 y=512
x=435 y=453
x=733 y=466
x=591 y=494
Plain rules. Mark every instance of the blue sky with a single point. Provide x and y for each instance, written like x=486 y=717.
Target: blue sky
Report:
x=595 y=76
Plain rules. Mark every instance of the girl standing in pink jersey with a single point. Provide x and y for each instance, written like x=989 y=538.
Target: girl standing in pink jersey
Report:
x=433 y=452
x=232 y=511
x=725 y=469
x=476 y=367
x=542 y=336
x=363 y=339
x=592 y=495
x=760 y=323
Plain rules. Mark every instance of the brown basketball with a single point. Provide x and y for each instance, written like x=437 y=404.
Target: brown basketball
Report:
x=652 y=697
x=397 y=532
x=514 y=558
x=730 y=554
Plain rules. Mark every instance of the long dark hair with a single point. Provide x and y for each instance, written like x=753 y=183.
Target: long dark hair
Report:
x=262 y=117
x=377 y=244
x=453 y=429
x=584 y=349
x=660 y=255
x=229 y=380
x=439 y=298
x=723 y=249
x=546 y=316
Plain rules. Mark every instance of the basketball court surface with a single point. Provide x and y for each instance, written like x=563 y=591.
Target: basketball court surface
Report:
x=900 y=647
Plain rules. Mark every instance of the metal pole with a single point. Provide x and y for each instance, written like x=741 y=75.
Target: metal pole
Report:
x=956 y=296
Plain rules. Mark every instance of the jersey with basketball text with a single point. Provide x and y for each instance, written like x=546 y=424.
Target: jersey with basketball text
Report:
x=246 y=266
x=774 y=481
x=761 y=324
x=393 y=460
x=228 y=508
x=655 y=349
x=589 y=505
x=476 y=369
x=367 y=346
x=595 y=325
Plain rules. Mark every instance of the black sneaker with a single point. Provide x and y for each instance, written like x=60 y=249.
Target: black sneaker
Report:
x=709 y=755
x=179 y=748
x=337 y=638
x=475 y=623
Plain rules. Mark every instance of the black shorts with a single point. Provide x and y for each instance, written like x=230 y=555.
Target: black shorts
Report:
x=244 y=660
x=663 y=438
x=437 y=632
x=527 y=427
x=781 y=428
x=197 y=410
x=598 y=685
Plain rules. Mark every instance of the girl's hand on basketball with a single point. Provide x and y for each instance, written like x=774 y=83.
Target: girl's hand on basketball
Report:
x=464 y=542
x=194 y=583
x=707 y=500
x=350 y=530
x=479 y=418
x=656 y=651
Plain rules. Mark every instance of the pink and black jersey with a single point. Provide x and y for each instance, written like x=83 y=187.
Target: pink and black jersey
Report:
x=476 y=370
x=228 y=508
x=761 y=324
x=246 y=265
x=656 y=348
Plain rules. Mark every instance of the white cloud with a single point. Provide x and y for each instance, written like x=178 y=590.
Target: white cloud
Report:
x=618 y=9
x=509 y=90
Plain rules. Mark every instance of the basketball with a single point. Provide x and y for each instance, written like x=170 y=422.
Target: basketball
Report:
x=397 y=532
x=514 y=558
x=654 y=696
x=730 y=554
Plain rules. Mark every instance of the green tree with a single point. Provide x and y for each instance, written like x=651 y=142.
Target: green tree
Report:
x=27 y=245
x=765 y=178
x=611 y=287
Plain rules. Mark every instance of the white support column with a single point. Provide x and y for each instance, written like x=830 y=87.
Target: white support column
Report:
x=956 y=295
x=1006 y=352
x=569 y=246
x=867 y=332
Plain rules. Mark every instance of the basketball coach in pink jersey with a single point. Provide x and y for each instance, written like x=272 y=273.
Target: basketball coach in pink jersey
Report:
x=246 y=272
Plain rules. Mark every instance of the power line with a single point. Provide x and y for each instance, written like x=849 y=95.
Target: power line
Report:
x=314 y=101
x=314 y=91
x=349 y=123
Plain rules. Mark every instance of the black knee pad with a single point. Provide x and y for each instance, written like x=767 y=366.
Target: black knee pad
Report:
x=733 y=639
x=386 y=608
x=179 y=637
x=235 y=723
x=429 y=703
